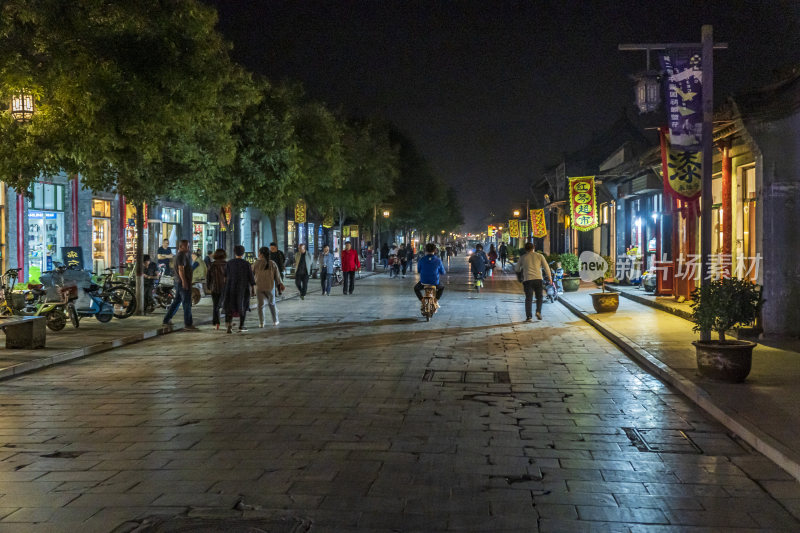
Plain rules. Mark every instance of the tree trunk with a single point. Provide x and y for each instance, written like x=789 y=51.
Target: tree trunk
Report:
x=273 y=223
x=139 y=266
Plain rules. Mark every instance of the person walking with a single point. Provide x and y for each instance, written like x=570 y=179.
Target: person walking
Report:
x=150 y=275
x=302 y=270
x=326 y=259
x=350 y=264
x=268 y=279
x=503 y=253
x=279 y=258
x=239 y=282
x=531 y=265
x=369 y=259
x=183 y=288
x=385 y=255
x=410 y=257
x=215 y=281
x=403 y=257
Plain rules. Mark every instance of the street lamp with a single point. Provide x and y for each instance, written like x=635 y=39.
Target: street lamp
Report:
x=22 y=106
x=386 y=213
x=648 y=90
x=516 y=213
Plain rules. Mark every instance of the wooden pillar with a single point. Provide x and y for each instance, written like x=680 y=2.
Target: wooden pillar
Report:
x=727 y=203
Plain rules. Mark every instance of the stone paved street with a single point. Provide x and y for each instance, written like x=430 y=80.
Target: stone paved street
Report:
x=354 y=414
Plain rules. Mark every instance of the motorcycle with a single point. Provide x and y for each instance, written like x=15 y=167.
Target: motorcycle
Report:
x=429 y=304
x=164 y=290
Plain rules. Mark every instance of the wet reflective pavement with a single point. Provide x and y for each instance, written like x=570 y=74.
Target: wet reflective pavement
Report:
x=356 y=415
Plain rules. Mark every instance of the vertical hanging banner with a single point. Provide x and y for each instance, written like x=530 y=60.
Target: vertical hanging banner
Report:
x=583 y=203
x=327 y=222
x=354 y=232
x=513 y=228
x=523 y=229
x=684 y=90
x=538 y=223
x=300 y=212
x=491 y=231
x=683 y=176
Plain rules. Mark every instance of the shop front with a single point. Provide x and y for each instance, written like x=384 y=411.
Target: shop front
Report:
x=130 y=233
x=45 y=228
x=3 y=247
x=204 y=234
x=171 y=219
x=101 y=234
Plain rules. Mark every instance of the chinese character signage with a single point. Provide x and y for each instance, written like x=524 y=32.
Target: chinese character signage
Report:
x=583 y=203
x=492 y=230
x=683 y=70
x=685 y=177
x=513 y=228
x=523 y=228
x=250 y=257
x=538 y=223
x=354 y=231
x=72 y=256
x=300 y=212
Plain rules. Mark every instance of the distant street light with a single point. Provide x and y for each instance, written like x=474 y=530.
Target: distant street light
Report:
x=386 y=213
x=516 y=213
x=22 y=107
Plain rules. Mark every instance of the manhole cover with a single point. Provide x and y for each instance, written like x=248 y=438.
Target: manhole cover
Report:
x=659 y=440
x=467 y=376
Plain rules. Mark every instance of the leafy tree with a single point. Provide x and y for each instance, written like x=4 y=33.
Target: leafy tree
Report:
x=137 y=97
x=371 y=168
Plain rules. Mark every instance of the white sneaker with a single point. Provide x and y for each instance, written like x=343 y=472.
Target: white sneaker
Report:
x=261 y=324
x=276 y=323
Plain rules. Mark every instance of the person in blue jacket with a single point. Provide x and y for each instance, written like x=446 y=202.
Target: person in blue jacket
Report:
x=430 y=267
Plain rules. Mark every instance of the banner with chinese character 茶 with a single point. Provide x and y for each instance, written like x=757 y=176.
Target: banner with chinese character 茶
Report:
x=300 y=212
x=513 y=228
x=538 y=223
x=583 y=203
x=523 y=229
x=684 y=103
x=683 y=179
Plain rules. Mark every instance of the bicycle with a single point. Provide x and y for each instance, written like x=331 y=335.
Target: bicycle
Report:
x=118 y=294
x=429 y=304
x=6 y=307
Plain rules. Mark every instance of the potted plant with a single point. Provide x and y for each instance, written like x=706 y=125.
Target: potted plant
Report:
x=569 y=262
x=605 y=302
x=722 y=305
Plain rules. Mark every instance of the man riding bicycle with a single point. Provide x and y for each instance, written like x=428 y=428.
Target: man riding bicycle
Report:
x=478 y=262
x=429 y=268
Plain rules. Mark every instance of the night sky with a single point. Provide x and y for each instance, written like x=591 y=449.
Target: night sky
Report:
x=493 y=91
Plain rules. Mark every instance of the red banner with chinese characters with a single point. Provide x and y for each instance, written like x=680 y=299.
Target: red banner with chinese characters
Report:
x=538 y=223
x=583 y=203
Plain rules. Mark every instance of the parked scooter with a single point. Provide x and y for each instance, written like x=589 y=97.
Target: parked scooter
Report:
x=90 y=303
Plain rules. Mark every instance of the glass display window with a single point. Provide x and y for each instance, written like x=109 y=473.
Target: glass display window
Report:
x=171 y=214
x=45 y=240
x=101 y=208
x=46 y=197
x=101 y=234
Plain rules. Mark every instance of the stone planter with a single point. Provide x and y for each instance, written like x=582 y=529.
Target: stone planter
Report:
x=605 y=302
x=729 y=361
x=571 y=284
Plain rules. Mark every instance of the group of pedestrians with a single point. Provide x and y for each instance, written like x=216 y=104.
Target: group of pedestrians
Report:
x=232 y=282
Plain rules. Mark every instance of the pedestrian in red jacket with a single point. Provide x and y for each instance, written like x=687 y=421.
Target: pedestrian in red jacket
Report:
x=350 y=264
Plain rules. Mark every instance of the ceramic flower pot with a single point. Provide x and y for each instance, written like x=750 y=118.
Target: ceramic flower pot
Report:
x=729 y=361
x=605 y=302
x=571 y=284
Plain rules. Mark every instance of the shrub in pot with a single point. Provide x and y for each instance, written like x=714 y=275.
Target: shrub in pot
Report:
x=569 y=262
x=722 y=305
x=605 y=302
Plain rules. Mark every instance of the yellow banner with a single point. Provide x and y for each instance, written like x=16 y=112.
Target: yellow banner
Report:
x=538 y=223
x=583 y=203
x=300 y=212
x=685 y=173
x=491 y=231
x=327 y=222
x=513 y=228
x=354 y=231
